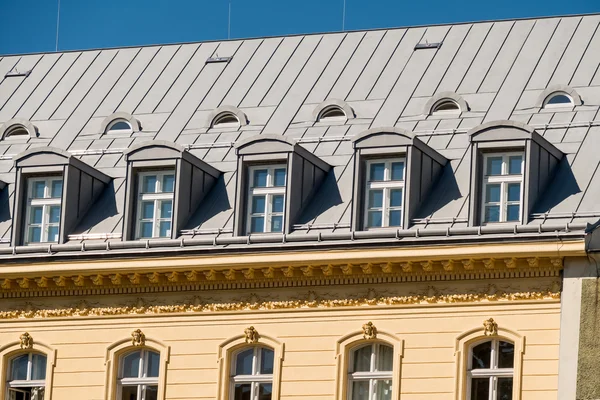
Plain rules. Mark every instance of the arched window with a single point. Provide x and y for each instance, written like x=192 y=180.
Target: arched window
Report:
x=490 y=370
x=17 y=130
x=445 y=106
x=27 y=377
x=252 y=374
x=332 y=113
x=119 y=126
x=138 y=375
x=558 y=99
x=226 y=120
x=370 y=372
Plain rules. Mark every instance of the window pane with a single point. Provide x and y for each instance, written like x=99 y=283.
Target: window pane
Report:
x=396 y=198
x=257 y=224
x=166 y=207
x=53 y=233
x=54 y=216
x=56 y=189
x=18 y=368
x=146 y=230
x=480 y=389
x=481 y=355
x=277 y=203
x=374 y=219
x=512 y=212
x=131 y=365
x=279 y=179
x=26 y=393
x=35 y=235
x=165 y=229
x=494 y=166
x=258 y=204
x=395 y=218
x=514 y=192
x=376 y=172
x=120 y=126
x=383 y=389
x=168 y=183
x=505 y=388
x=514 y=165
x=506 y=355
x=264 y=391
x=36 y=215
x=260 y=178
x=360 y=390
x=243 y=362
x=386 y=358
x=277 y=223
x=375 y=198
x=147 y=210
x=266 y=366
x=149 y=185
x=153 y=364
x=38 y=190
x=362 y=359
x=38 y=370
x=129 y=393
x=559 y=99
x=492 y=193
x=492 y=213
x=397 y=171
x=151 y=393
x=242 y=391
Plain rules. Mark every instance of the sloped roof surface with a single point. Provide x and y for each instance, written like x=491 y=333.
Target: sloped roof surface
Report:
x=499 y=68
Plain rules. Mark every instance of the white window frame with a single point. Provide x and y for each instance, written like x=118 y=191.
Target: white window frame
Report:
x=373 y=375
x=493 y=373
x=558 y=105
x=142 y=381
x=434 y=109
x=328 y=110
x=157 y=198
x=110 y=129
x=46 y=203
x=27 y=383
x=504 y=179
x=256 y=378
x=386 y=185
x=217 y=122
x=268 y=191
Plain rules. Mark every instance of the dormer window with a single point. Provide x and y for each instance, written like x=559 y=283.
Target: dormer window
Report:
x=226 y=120
x=446 y=106
x=226 y=117
x=17 y=128
x=558 y=100
x=384 y=193
x=445 y=103
x=43 y=209
x=155 y=204
x=502 y=187
x=332 y=113
x=333 y=110
x=266 y=199
x=119 y=126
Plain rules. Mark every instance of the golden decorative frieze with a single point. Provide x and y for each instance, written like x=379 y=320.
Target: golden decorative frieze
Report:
x=229 y=274
x=135 y=278
x=116 y=279
x=26 y=341
x=533 y=262
x=248 y=273
x=327 y=270
x=288 y=272
x=448 y=265
x=210 y=275
x=41 y=282
x=307 y=271
x=23 y=283
x=427 y=265
x=367 y=268
x=97 y=280
x=191 y=276
x=153 y=277
x=488 y=263
x=468 y=264
x=557 y=262
x=387 y=268
x=6 y=284
x=406 y=266
x=511 y=263
x=173 y=276
x=60 y=281
x=78 y=280
x=369 y=331
x=251 y=335
x=138 y=338
x=347 y=269
x=490 y=327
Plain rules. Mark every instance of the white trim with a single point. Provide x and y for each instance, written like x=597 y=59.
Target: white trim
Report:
x=269 y=192
x=387 y=185
x=157 y=197
x=558 y=105
x=142 y=380
x=492 y=373
x=373 y=376
x=46 y=203
x=504 y=179
x=256 y=378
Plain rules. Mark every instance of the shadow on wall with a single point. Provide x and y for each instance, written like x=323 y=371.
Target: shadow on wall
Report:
x=215 y=202
x=102 y=209
x=444 y=191
x=561 y=186
x=327 y=196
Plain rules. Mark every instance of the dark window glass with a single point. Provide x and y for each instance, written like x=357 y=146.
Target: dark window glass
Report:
x=131 y=365
x=153 y=364
x=38 y=364
x=243 y=364
x=120 y=125
x=266 y=366
x=514 y=165
x=260 y=177
x=242 y=391
x=480 y=389
x=19 y=368
x=397 y=171
x=506 y=355
x=559 y=99
x=362 y=359
x=264 y=391
x=279 y=177
x=481 y=355
x=494 y=166
x=377 y=172
x=129 y=393
x=505 y=388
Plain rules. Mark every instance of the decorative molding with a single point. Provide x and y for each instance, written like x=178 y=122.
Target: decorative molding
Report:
x=138 y=338
x=26 y=341
x=369 y=331
x=251 y=335
x=490 y=327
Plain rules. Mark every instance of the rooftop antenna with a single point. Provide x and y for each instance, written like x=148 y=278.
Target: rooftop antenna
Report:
x=228 y=22
x=343 y=16
x=57 y=23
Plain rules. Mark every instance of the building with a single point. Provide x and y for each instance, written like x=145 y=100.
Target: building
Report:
x=394 y=214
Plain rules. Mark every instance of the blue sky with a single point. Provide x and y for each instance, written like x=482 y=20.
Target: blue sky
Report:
x=30 y=25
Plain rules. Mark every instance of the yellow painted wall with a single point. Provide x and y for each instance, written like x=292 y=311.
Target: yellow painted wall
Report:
x=309 y=335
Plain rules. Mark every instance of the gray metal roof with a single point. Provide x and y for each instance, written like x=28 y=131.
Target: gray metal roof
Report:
x=500 y=69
